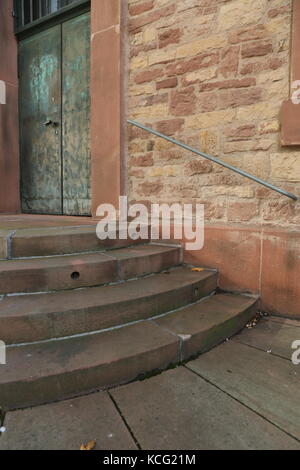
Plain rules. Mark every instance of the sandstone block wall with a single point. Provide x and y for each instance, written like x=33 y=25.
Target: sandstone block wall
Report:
x=213 y=74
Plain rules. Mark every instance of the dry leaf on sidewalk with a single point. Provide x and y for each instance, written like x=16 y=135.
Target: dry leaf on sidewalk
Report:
x=89 y=446
x=198 y=270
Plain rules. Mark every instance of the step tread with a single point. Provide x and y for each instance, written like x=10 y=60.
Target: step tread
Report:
x=99 y=296
x=57 y=261
x=61 y=240
x=205 y=314
x=59 y=368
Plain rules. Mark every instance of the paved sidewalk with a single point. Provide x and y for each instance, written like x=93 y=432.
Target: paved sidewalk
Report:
x=243 y=394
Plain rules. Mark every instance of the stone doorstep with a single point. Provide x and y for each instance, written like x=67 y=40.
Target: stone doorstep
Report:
x=27 y=318
x=44 y=372
x=47 y=241
x=83 y=270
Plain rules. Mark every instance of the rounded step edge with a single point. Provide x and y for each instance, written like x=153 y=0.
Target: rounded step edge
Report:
x=38 y=317
x=59 y=369
x=85 y=270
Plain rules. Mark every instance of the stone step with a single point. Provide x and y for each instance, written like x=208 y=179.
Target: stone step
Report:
x=57 y=369
x=83 y=270
x=48 y=241
x=35 y=317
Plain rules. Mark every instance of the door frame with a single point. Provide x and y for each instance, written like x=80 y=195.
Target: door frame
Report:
x=57 y=17
x=108 y=91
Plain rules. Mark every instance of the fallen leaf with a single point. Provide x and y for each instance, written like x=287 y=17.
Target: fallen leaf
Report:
x=89 y=446
x=198 y=270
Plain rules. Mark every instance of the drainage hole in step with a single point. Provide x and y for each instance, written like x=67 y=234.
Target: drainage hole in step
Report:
x=196 y=292
x=75 y=276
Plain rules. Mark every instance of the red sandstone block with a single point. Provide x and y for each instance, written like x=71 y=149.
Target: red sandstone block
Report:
x=149 y=75
x=167 y=83
x=229 y=61
x=196 y=63
x=142 y=160
x=240 y=132
x=148 y=188
x=170 y=126
x=171 y=36
x=242 y=211
x=138 y=8
x=196 y=167
x=207 y=102
x=257 y=48
x=273 y=63
x=147 y=18
x=239 y=97
x=183 y=102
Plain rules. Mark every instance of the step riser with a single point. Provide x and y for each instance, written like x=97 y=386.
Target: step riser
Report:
x=26 y=244
x=68 y=385
x=173 y=351
x=93 y=273
x=38 y=327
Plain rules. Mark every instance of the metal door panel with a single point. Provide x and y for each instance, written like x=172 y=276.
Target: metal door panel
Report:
x=76 y=116
x=40 y=101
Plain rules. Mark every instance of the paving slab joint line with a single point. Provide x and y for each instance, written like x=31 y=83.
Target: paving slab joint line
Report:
x=241 y=403
x=124 y=421
x=261 y=349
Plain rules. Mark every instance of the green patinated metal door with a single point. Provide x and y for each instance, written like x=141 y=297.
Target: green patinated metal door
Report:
x=54 y=72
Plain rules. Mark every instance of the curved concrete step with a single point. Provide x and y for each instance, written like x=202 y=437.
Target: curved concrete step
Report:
x=84 y=270
x=34 y=317
x=49 y=241
x=44 y=372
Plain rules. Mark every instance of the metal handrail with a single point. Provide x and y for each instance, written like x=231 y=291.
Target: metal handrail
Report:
x=215 y=160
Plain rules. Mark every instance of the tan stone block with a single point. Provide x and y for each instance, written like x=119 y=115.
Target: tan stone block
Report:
x=212 y=119
x=277 y=90
x=157 y=110
x=201 y=45
x=201 y=19
x=137 y=39
x=285 y=166
x=269 y=127
x=247 y=145
x=187 y=4
x=241 y=12
x=280 y=25
x=161 y=56
x=138 y=63
x=167 y=171
x=272 y=76
x=137 y=146
x=258 y=111
x=201 y=75
x=147 y=89
x=209 y=142
x=149 y=35
x=163 y=145
x=238 y=191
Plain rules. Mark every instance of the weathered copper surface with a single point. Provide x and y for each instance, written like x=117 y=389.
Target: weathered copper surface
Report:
x=76 y=116
x=40 y=100
x=55 y=119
